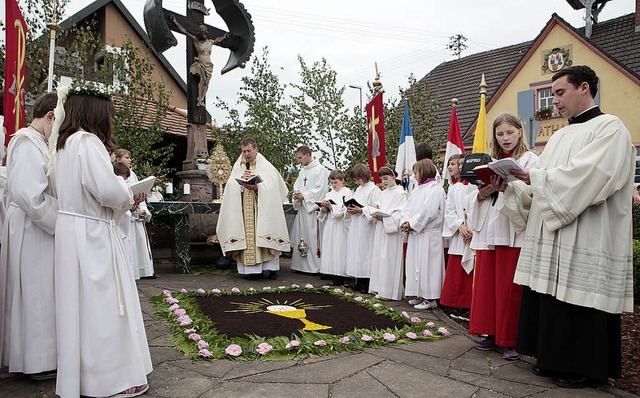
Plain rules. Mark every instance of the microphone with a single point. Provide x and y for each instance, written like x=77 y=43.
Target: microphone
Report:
x=248 y=164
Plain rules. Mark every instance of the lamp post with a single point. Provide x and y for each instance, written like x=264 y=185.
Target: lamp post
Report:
x=53 y=26
x=359 y=88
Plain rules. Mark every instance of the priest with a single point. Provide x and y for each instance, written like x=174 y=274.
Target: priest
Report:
x=310 y=187
x=251 y=224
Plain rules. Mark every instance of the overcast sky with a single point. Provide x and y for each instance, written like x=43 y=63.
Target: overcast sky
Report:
x=402 y=36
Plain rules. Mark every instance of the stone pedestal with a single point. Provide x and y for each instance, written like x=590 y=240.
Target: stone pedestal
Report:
x=196 y=146
x=202 y=226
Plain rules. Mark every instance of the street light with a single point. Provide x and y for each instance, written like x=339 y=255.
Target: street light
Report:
x=359 y=88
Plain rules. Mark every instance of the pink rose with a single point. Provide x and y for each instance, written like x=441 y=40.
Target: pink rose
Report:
x=180 y=312
x=430 y=324
x=348 y=294
x=195 y=336
x=174 y=307
x=205 y=353
x=166 y=293
x=189 y=331
x=376 y=305
x=444 y=331
x=367 y=338
x=337 y=290
x=202 y=344
x=405 y=315
x=183 y=290
x=326 y=287
x=411 y=335
x=185 y=320
x=216 y=291
x=234 y=350
x=200 y=290
x=389 y=337
x=235 y=290
x=172 y=300
x=359 y=298
x=415 y=319
x=295 y=286
x=320 y=343
x=292 y=344
x=427 y=333
x=345 y=340
x=266 y=288
x=264 y=348
x=309 y=286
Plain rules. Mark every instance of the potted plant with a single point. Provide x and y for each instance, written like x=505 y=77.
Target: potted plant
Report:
x=202 y=163
x=544 y=113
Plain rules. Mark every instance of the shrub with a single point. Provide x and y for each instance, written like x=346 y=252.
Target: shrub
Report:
x=636 y=271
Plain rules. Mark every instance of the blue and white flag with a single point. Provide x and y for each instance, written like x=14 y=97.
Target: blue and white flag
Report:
x=406 y=149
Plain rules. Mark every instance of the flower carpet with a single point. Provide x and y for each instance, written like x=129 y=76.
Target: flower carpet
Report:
x=284 y=322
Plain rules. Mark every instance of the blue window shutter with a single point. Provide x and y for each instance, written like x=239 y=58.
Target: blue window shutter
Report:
x=526 y=109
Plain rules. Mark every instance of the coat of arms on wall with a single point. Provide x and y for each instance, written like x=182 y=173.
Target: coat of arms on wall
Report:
x=556 y=59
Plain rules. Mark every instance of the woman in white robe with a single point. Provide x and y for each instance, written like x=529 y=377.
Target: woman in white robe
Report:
x=336 y=228
x=422 y=219
x=362 y=228
x=387 y=271
x=27 y=305
x=102 y=345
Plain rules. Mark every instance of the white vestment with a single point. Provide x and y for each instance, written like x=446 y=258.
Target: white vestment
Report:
x=140 y=246
x=102 y=344
x=265 y=234
x=425 y=251
x=361 y=232
x=387 y=272
x=578 y=240
x=27 y=304
x=458 y=210
x=312 y=183
x=335 y=234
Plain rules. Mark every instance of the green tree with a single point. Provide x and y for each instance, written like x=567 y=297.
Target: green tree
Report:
x=457 y=44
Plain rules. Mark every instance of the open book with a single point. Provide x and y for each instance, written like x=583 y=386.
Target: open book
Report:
x=251 y=181
x=374 y=211
x=352 y=202
x=319 y=204
x=500 y=168
x=143 y=186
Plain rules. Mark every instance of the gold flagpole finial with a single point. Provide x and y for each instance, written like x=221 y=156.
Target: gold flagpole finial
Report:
x=377 y=84
x=483 y=86
x=454 y=102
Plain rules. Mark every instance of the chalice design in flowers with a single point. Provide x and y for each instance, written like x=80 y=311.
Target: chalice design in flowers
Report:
x=297 y=309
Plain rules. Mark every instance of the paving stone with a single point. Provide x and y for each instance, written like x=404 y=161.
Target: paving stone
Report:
x=241 y=389
x=482 y=393
x=448 y=348
x=23 y=387
x=474 y=361
x=164 y=354
x=431 y=364
x=155 y=329
x=521 y=372
x=250 y=368
x=217 y=368
x=360 y=385
x=408 y=382
x=570 y=393
x=506 y=387
x=320 y=372
x=167 y=381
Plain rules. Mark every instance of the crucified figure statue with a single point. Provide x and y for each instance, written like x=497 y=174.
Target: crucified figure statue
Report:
x=202 y=65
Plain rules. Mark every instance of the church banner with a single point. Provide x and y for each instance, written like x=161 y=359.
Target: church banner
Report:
x=375 y=136
x=15 y=68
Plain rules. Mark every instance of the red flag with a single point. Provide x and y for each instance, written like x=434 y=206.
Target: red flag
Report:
x=375 y=133
x=15 y=69
x=454 y=143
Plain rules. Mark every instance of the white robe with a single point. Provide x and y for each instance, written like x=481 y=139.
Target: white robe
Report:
x=578 y=239
x=361 y=232
x=140 y=246
x=335 y=234
x=102 y=344
x=425 y=251
x=387 y=271
x=270 y=227
x=27 y=304
x=458 y=210
x=312 y=183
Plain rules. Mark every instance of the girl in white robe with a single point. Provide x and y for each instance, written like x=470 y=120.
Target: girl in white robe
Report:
x=362 y=228
x=422 y=219
x=27 y=304
x=387 y=271
x=102 y=345
x=336 y=228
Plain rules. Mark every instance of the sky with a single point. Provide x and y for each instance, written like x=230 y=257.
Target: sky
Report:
x=403 y=37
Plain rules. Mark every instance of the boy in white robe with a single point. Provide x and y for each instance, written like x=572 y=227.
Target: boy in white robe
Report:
x=27 y=304
x=422 y=219
x=387 y=271
x=336 y=228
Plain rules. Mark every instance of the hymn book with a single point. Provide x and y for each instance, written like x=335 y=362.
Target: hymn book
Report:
x=251 y=181
x=352 y=202
x=143 y=186
x=500 y=168
x=374 y=211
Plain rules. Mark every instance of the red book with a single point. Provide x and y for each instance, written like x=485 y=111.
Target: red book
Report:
x=500 y=168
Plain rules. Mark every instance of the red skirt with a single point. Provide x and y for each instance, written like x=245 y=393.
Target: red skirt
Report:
x=456 y=290
x=495 y=304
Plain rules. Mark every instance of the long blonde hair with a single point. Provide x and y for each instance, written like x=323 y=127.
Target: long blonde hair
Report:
x=513 y=120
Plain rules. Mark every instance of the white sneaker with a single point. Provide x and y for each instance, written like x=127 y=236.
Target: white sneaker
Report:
x=426 y=305
x=415 y=301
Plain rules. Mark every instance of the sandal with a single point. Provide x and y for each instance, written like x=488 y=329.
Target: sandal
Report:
x=132 y=392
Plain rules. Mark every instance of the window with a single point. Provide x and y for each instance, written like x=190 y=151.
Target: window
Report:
x=545 y=98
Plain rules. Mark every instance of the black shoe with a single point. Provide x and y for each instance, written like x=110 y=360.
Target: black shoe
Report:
x=252 y=277
x=538 y=371
x=326 y=277
x=48 y=375
x=273 y=274
x=572 y=381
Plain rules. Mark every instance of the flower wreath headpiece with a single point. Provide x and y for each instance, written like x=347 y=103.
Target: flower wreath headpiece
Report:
x=58 y=113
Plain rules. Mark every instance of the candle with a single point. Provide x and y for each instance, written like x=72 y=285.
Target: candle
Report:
x=169 y=188
x=186 y=189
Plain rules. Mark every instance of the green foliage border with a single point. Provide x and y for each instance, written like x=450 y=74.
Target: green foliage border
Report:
x=219 y=342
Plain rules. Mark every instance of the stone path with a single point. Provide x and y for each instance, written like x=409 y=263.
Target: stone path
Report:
x=444 y=368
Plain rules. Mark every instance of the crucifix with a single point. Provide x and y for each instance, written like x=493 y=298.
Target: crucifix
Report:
x=305 y=181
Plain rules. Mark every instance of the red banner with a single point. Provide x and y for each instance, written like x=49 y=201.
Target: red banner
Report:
x=375 y=133
x=15 y=69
